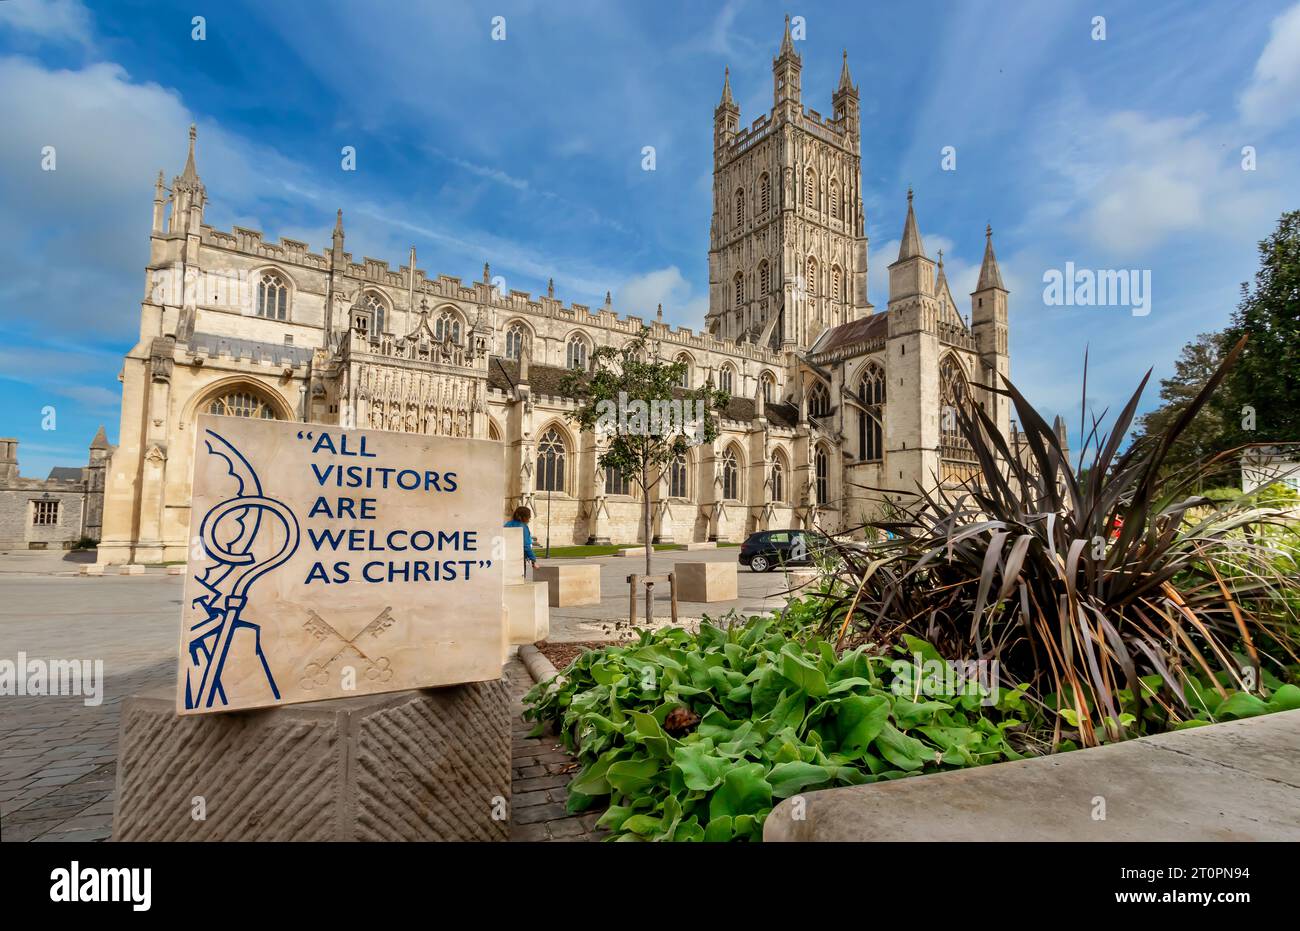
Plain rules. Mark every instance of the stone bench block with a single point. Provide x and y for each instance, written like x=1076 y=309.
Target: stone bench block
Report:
x=529 y=611
x=571 y=584
x=92 y=569
x=430 y=764
x=632 y=552
x=1223 y=782
x=175 y=570
x=692 y=547
x=706 y=581
x=132 y=569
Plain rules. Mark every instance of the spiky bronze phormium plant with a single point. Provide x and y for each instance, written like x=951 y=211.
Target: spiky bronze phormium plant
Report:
x=1086 y=583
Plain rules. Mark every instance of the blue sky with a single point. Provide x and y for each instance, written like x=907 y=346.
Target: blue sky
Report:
x=1123 y=153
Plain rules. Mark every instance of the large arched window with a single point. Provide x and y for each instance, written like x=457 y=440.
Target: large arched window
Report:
x=738 y=288
x=273 y=296
x=953 y=395
x=778 y=479
x=871 y=392
x=810 y=189
x=768 y=381
x=731 y=475
x=835 y=198
x=678 y=473
x=812 y=276
x=447 y=326
x=764 y=192
x=242 y=401
x=819 y=401
x=764 y=277
x=740 y=206
x=821 y=468
x=371 y=318
x=726 y=378
x=576 y=353
x=552 y=452
x=836 y=283
x=516 y=340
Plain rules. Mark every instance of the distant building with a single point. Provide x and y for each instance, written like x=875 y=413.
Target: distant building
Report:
x=1265 y=465
x=55 y=512
x=835 y=405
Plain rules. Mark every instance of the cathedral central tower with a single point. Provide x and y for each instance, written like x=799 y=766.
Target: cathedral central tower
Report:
x=787 y=245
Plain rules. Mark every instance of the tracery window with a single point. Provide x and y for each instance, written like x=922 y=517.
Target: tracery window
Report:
x=551 y=455
x=516 y=341
x=242 y=402
x=730 y=475
x=273 y=297
x=677 y=478
x=871 y=392
x=821 y=467
x=576 y=353
x=819 y=401
x=447 y=326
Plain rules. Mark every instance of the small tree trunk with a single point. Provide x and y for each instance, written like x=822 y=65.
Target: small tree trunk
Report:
x=645 y=512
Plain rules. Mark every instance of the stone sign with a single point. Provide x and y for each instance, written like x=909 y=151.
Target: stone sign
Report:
x=332 y=563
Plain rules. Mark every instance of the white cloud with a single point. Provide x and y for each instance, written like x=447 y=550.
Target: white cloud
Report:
x=1273 y=95
x=59 y=20
x=641 y=294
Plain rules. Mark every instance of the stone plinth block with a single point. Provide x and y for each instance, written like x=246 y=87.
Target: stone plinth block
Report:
x=1224 y=782
x=175 y=570
x=692 y=547
x=705 y=581
x=632 y=552
x=432 y=764
x=133 y=569
x=92 y=569
x=571 y=584
x=528 y=604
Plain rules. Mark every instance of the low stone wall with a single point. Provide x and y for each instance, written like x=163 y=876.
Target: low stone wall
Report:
x=1237 y=781
x=432 y=764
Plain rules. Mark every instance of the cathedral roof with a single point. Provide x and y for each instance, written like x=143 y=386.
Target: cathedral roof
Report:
x=846 y=336
x=64 y=474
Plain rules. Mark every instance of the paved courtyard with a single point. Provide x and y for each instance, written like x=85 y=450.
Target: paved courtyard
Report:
x=57 y=755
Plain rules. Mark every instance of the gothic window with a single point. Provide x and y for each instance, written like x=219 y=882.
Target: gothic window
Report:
x=835 y=199
x=447 y=326
x=764 y=277
x=685 y=380
x=516 y=340
x=45 y=513
x=730 y=475
x=740 y=206
x=835 y=283
x=812 y=277
x=242 y=402
x=377 y=312
x=576 y=355
x=871 y=392
x=810 y=189
x=738 y=285
x=551 y=454
x=778 y=480
x=677 y=471
x=769 y=387
x=764 y=193
x=819 y=401
x=821 y=467
x=616 y=481
x=273 y=297
x=726 y=378
x=953 y=395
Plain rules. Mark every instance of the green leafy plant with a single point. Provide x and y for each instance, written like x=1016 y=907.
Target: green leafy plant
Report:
x=696 y=736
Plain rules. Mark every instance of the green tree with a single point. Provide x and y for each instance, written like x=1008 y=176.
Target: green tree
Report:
x=625 y=396
x=1260 y=400
x=1203 y=437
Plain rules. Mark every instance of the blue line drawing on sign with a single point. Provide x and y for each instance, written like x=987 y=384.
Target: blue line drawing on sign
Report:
x=227 y=533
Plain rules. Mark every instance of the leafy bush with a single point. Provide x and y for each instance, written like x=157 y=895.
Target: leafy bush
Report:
x=695 y=737
x=1083 y=584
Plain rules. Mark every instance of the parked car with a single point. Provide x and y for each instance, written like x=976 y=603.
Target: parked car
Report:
x=768 y=549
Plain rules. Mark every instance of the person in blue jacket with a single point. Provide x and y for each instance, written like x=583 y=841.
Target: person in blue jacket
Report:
x=520 y=519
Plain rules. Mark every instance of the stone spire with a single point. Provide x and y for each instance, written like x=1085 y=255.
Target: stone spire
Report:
x=190 y=175
x=338 y=229
x=550 y=287
x=911 y=245
x=785 y=74
x=101 y=439
x=846 y=80
x=787 y=43
x=727 y=99
x=990 y=275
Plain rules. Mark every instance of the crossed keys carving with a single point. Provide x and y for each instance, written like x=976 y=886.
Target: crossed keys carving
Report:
x=318 y=669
